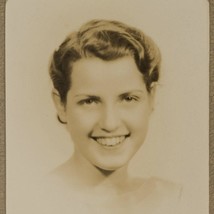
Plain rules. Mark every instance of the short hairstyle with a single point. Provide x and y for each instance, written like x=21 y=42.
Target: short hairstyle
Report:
x=107 y=40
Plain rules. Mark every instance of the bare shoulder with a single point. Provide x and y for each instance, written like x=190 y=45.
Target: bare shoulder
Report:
x=166 y=188
x=156 y=195
x=63 y=176
x=158 y=186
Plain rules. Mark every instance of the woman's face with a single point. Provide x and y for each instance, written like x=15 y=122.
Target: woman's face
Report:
x=107 y=111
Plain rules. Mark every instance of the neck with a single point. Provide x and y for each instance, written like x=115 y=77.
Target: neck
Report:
x=85 y=175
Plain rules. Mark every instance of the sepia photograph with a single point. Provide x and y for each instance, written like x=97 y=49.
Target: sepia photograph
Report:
x=107 y=107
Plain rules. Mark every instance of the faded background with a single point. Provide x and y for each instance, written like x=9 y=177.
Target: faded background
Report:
x=177 y=143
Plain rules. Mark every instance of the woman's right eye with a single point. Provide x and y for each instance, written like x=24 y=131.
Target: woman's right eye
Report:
x=88 y=101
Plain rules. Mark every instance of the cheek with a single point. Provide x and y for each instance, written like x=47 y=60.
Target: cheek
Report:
x=80 y=122
x=139 y=118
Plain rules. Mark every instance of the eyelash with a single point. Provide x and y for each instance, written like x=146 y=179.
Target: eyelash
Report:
x=130 y=98
x=88 y=101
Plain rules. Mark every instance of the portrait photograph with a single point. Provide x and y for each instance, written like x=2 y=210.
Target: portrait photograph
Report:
x=107 y=106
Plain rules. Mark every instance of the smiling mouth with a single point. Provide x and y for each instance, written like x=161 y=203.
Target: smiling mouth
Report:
x=110 y=141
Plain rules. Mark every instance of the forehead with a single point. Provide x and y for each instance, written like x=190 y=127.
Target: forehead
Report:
x=95 y=73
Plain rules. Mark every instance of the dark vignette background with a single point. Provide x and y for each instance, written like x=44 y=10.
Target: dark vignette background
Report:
x=3 y=122
x=2 y=111
x=211 y=122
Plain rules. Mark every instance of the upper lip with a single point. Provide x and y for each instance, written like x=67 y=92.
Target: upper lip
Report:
x=122 y=135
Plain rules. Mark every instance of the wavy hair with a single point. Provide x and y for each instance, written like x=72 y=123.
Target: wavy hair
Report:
x=107 y=40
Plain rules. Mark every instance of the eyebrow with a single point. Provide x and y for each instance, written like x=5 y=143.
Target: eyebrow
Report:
x=88 y=96
x=121 y=95
x=131 y=92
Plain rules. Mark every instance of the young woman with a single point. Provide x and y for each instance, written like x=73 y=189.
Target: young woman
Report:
x=104 y=81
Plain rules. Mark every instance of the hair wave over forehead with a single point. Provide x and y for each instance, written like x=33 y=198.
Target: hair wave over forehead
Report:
x=107 y=40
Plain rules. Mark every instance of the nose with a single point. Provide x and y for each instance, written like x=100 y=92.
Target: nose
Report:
x=110 y=119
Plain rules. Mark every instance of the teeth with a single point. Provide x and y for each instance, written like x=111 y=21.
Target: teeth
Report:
x=110 y=141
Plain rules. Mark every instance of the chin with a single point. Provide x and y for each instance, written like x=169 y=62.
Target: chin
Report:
x=110 y=167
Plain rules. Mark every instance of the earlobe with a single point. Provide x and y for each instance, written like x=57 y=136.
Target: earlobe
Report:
x=60 y=107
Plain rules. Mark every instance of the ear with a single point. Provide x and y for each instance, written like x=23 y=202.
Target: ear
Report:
x=60 y=107
x=152 y=95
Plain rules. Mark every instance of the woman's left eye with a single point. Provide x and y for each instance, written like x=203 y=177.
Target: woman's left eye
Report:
x=130 y=98
x=89 y=101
